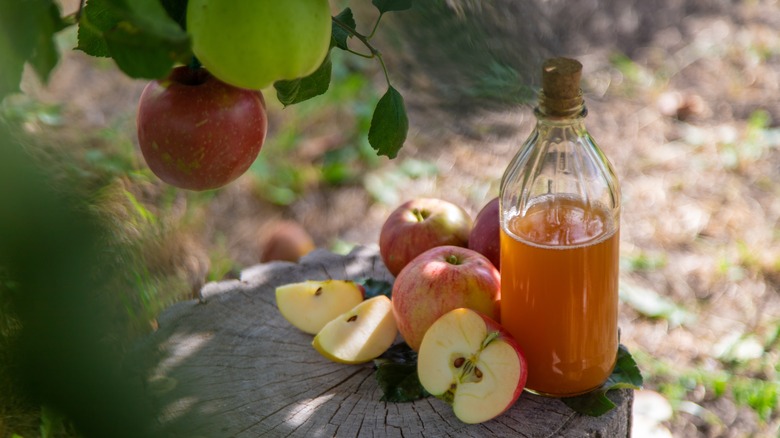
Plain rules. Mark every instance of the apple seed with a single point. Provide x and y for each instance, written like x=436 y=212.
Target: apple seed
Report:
x=352 y=318
x=459 y=362
x=318 y=292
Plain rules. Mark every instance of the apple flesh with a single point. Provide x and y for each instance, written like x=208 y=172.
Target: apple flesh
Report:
x=472 y=363
x=309 y=305
x=359 y=335
x=439 y=280
x=198 y=133
x=418 y=225
x=485 y=237
x=251 y=44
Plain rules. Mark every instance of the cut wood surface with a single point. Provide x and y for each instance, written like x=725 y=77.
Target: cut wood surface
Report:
x=233 y=367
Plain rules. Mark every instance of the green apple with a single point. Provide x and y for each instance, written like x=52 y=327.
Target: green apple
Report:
x=254 y=43
x=470 y=361
x=309 y=305
x=359 y=335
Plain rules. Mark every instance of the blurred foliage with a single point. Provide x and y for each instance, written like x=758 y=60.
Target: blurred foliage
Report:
x=63 y=351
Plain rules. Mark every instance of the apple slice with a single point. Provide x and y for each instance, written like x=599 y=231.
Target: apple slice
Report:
x=359 y=335
x=311 y=304
x=472 y=363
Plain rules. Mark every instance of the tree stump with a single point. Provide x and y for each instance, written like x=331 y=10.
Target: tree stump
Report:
x=233 y=367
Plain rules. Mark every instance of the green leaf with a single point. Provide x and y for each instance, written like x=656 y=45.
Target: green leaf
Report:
x=392 y=5
x=28 y=29
x=177 y=10
x=396 y=374
x=139 y=35
x=389 y=124
x=96 y=17
x=625 y=375
x=338 y=34
x=375 y=288
x=298 y=90
x=45 y=55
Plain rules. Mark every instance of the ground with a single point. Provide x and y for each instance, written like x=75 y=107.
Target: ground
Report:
x=688 y=113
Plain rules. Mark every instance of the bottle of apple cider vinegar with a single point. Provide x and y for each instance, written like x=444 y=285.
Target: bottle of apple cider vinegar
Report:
x=560 y=217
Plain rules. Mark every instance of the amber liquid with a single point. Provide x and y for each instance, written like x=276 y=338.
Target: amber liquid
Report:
x=559 y=294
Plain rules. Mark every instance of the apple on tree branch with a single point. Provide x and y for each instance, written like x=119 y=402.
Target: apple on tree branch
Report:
x=148 y=38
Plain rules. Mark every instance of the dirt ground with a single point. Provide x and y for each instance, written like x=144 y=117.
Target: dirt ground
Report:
x=687 y=108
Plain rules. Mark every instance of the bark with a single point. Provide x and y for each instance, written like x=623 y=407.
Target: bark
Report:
x=233 y=367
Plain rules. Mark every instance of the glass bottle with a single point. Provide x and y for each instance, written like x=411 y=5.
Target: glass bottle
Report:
x=560 y=218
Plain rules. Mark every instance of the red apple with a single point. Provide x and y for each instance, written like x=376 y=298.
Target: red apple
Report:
x=439 y=280
x=470 y=361
x=197 y=132
x=418 y=225
x=485 y=236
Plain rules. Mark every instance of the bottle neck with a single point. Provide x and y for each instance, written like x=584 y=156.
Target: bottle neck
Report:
x=558 y=109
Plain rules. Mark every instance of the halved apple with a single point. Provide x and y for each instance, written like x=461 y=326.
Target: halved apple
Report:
x=359 y=335
x=472 y=363
x=311 y=304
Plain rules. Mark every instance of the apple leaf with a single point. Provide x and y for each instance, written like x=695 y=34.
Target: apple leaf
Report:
x=28 y=29
x=375 y=288
x=389 y=124
x=139 y=35
x=177 y=10
x=396 y=374
x=392 y=5
x=339 y=35
x=625 y=375
x=298 y=90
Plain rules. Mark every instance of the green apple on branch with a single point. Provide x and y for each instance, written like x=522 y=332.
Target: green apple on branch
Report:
x=252 y=44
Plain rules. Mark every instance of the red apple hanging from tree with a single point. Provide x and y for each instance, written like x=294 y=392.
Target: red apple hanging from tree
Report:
x=197 y=132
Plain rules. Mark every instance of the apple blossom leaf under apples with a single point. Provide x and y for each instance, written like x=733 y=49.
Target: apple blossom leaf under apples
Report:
x=313 y=85
x=375 y=287
x=389 y=124
x=625 y=375
x=396 y=374
x=392 y=5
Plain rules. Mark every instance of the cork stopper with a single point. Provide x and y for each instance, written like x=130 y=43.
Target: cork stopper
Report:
x=561 y=95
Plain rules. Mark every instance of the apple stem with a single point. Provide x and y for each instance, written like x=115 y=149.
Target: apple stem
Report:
x=453 y=259
x=194 y=63
x=420 y=215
